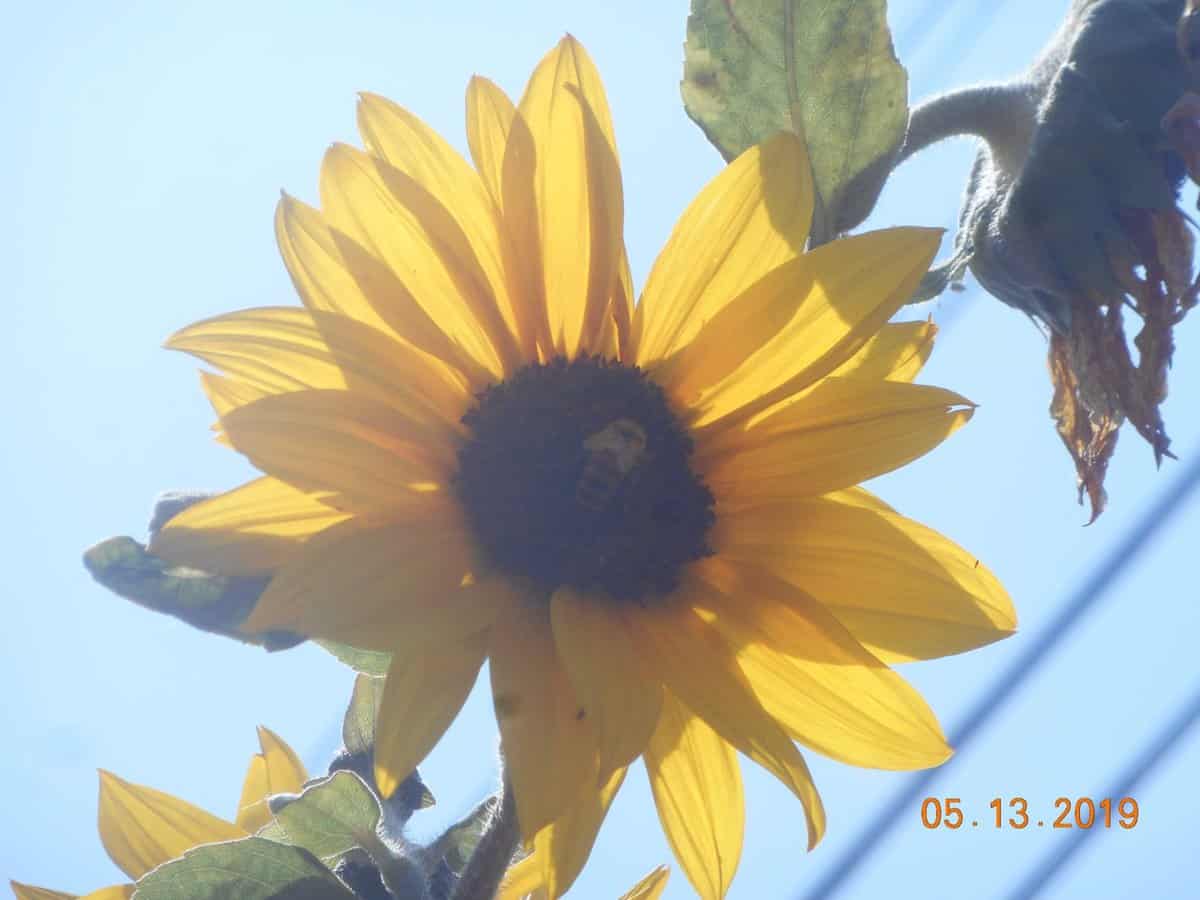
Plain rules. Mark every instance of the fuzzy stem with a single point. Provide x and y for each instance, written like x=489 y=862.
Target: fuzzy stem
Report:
x=1004 y=115
x=485 y=869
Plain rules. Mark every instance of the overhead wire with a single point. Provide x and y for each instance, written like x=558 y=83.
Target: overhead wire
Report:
x=1094 y=588
x=922 y=22
x=1122 y=786
x=916 y=31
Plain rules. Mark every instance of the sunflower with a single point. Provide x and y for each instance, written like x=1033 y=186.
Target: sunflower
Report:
x=645 y=517
x=142 y=828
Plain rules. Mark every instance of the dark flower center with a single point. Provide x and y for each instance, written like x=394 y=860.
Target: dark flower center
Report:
x=578 y=474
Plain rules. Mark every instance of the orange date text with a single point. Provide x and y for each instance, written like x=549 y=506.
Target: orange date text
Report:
x=1015 y=813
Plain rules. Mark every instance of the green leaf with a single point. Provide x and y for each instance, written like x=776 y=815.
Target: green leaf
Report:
x=458 y=842
x=332 y=816
x=358 y=727
x=273 y=831
x=215 y=603
x=370 y=662
x=249 y=869
x=825 y=70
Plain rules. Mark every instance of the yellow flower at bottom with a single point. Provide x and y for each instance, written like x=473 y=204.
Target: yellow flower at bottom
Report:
x=645 y=517
x=522 y=882
x=142 y=828
x=29 y=892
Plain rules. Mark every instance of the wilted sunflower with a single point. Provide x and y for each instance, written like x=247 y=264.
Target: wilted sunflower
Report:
x=1071 y=213
x=142 y=828
x=645 y=517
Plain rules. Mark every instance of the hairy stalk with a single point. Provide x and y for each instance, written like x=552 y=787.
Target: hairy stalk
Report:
x=485 y=869
x=1004 y=115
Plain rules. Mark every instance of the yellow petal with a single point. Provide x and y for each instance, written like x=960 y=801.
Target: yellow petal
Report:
x=253 y=529
x=423 y=693
x=394 y=372
x=253 y=812
x=562 y=847
x=750 y=219
x=403 y=226
x=276 y=349
x=522 y=881
x=841 y=433
x=897 y=352
x=578 y=195
x=595 y=649
x=29 y=892
x=855 y=285
x=317 y=265
x=697 y=788
x=276 y=770
x=616 y=332
x=903 y=590
x=650 y=887
x=503 y=150
x=733 y=334
x=335 y=273
x=285 y=771
x=549 y=749
x=142 y=828
x=813 y=677
x=227 y=394
x=283 y=349
x=371 y=456
x=622 y=313
x=696 y=665
x=412 y=147
x=409 y=584
x=490 y=116
x=859 y=496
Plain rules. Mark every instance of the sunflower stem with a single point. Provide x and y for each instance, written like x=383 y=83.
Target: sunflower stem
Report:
x=1004 y=115
x=485 y=869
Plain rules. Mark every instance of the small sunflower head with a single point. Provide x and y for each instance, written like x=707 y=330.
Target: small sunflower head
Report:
x=1074 y=220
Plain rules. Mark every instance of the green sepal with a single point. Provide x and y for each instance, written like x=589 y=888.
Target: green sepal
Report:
x=213 y=603
x=358 y=727
x=332 y=816
x=369 y=662
x=457 y=843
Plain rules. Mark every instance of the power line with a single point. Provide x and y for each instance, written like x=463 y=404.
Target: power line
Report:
x=921 y=24
x=918 y=29
x=1124 y=785
x=970 y=29
x=1094 y=587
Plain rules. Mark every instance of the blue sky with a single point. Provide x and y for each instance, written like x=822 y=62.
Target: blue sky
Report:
x=146 y=146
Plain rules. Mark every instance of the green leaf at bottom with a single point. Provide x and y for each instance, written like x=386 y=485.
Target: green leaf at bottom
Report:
x=249 y=869
x=332 y=816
